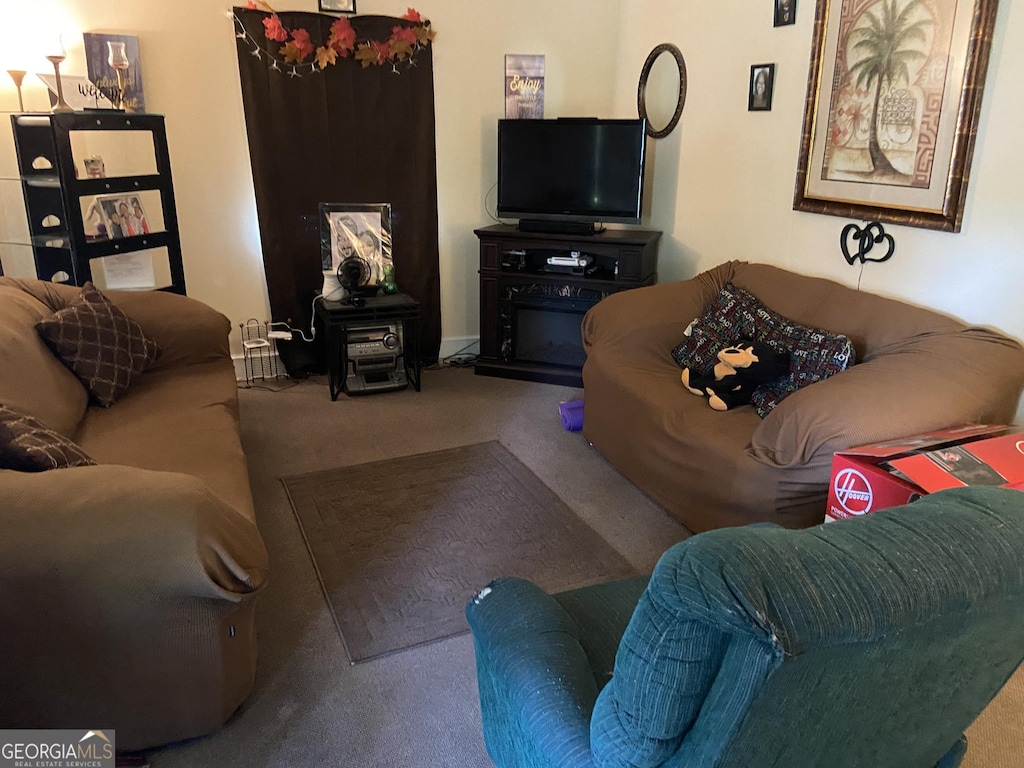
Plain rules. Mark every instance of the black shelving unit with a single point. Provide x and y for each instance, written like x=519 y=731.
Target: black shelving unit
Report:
x=53 y=193
x=338 y=318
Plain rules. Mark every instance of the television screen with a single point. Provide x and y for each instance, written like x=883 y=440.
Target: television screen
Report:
x=581 y=170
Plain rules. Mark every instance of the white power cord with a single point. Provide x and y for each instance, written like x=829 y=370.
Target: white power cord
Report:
x=332 y=291
x=288 y=333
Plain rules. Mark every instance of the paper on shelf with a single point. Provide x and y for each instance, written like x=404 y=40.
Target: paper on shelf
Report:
x=127 y=270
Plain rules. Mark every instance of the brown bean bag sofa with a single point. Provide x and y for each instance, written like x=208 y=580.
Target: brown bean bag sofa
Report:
x=127 y=588
x=916 y=370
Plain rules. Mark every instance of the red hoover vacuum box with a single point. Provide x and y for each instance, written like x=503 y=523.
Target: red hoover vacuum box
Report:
x=896 y=472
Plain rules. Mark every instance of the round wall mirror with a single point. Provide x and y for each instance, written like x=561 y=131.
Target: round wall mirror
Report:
x=662 y=90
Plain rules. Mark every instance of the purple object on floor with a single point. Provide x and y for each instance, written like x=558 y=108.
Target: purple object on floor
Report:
x=572 y=415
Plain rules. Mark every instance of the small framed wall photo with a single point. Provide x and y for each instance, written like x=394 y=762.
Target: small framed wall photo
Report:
x=338 y=6
x=785 y=12
x=759 y=92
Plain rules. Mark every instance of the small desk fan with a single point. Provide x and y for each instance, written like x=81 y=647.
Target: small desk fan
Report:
x=354 y=277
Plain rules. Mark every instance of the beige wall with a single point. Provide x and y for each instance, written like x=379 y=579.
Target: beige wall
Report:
x=724 y=179
x=722 y=182
x=190 y=74
x=577 y=38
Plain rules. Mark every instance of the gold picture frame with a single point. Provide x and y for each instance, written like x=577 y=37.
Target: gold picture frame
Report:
x=890 y=137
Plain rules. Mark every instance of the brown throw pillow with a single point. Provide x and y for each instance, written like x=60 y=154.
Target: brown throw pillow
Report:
x=27 y=445
x=101 y=345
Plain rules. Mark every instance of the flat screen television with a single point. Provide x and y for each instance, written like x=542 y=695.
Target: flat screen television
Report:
x=569 y=174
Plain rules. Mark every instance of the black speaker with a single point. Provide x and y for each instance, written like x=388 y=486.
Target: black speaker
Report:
x=559 y=227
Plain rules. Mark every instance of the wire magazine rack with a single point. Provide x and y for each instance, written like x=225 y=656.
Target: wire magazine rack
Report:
x=259 y=351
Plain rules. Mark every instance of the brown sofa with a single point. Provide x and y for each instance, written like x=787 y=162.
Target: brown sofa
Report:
x=916 y=370
x=127 y=588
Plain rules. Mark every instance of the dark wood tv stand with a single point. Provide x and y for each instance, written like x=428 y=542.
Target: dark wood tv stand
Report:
x=522 y=296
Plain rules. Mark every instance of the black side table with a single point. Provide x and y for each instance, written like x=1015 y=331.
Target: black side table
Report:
x=336 y=317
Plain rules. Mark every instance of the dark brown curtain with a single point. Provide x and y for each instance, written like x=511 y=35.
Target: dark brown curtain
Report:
x=346 y=134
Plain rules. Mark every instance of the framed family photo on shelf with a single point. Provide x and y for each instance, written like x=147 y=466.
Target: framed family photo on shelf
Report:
x=121 y=215
x=356 y=231
x=893 y=100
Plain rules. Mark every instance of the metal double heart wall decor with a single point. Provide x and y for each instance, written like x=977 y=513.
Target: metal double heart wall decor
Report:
x=865 y=238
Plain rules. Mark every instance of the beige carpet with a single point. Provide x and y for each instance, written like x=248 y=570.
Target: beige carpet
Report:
x=401 y=545
x=419 y=708
x=996 y=739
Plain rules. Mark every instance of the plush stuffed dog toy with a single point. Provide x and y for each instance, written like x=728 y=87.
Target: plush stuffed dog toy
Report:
x=741 y=368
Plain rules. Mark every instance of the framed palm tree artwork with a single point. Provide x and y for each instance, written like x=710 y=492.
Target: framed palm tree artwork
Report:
x=894 y=96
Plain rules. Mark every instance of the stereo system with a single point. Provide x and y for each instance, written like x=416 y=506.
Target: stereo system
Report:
x=376 y=358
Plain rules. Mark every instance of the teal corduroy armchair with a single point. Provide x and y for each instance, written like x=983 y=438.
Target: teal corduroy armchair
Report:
x=866 y=643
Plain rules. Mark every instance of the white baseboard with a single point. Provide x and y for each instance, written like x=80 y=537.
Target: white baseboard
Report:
x=459 y=345
x=456 y=345
x=239 y=362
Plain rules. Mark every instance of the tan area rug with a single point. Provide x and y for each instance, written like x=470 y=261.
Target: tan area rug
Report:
x=400 y=546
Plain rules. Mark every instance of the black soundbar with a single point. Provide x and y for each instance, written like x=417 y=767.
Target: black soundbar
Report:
x=553 y=226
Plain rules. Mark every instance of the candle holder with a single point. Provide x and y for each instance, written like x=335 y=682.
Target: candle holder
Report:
x=117 y=58
x=18 y=76
x=61 y=105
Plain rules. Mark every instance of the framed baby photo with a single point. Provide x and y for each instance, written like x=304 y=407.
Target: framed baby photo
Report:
x=759 y=91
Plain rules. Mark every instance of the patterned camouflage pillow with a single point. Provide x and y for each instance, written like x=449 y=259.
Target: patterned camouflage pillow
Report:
x=101 y=345
x=27 y=445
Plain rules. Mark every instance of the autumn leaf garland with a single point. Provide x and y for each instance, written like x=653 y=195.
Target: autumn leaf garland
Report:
x=341 y=42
